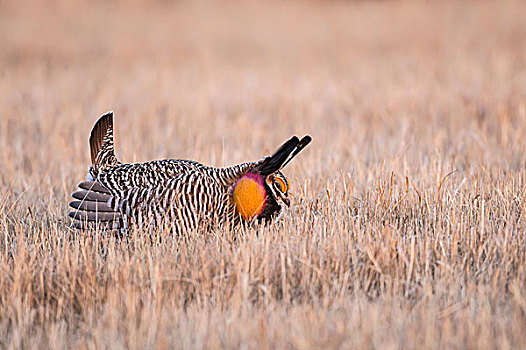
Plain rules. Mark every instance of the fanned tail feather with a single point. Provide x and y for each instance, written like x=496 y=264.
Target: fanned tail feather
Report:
x=93 y=205
x=101 y=141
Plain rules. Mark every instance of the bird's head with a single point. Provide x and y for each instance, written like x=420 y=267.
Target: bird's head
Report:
x=258 y=196
x=259 y=193
x=279 y=185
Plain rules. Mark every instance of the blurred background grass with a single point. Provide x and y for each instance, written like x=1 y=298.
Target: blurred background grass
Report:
x=396 y=96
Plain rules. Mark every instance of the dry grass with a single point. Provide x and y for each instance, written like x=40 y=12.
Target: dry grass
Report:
x=408 y=229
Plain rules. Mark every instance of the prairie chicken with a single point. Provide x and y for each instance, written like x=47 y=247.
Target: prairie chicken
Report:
x=183 y=194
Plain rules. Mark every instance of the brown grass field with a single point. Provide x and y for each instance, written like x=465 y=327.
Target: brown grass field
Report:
x=408 y=223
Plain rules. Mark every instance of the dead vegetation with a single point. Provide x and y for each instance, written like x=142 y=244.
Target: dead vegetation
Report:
x=407 y=229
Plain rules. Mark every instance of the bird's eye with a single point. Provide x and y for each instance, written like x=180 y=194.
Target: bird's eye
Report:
x=282 y=184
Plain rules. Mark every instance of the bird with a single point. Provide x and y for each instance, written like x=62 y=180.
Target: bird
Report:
x=183 y=195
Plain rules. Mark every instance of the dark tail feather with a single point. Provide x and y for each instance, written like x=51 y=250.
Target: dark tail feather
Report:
x=92 y=206
x=93 y=196
x=86 y=205
x=101 y=141
x=282 y=156
x=94 y=216
x=93 y=186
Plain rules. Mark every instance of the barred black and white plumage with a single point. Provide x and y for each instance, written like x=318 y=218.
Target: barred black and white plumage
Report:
x=183 y=194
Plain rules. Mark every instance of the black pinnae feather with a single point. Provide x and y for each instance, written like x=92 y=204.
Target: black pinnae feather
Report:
x=283 y=155
x=301 y=145
x=273 y=163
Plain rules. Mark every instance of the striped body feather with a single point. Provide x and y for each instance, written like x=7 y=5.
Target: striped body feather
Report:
x=181 y=194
